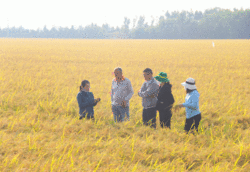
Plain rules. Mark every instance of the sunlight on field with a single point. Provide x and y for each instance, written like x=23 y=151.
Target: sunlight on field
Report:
x=39 y=126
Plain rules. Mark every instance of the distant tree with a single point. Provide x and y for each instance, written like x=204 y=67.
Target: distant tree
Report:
x=140 y=23
x=198 y=15
x=45 y=32
x=215 y=23
x=125 y=28
x=167 y=15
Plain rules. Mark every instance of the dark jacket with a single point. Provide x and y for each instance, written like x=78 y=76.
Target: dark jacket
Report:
x=86 y=103
x=165 y=97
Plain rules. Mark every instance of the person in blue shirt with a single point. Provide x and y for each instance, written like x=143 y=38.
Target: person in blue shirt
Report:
x=86 y=101
x=193 y=114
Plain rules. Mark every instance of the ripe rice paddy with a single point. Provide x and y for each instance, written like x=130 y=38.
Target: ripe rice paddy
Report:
x=39 y=125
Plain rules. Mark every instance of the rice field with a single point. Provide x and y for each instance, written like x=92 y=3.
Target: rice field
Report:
x=39 y=125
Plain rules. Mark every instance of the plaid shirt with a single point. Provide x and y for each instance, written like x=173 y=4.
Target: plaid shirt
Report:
x=149 y=88
x=121 y=91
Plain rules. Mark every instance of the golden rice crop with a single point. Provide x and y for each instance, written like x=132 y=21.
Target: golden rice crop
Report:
x=39 y=126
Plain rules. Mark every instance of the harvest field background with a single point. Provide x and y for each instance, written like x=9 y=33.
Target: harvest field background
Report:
x=39 y=125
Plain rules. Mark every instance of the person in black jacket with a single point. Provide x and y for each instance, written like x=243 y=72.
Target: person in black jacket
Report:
x=165 y=100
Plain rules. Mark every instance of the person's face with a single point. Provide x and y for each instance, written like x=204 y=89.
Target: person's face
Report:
x=118 y=74
x=147 y=76
x=87 y=87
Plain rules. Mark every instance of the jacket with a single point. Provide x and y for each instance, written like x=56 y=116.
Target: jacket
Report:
x=86 y=103
x=165 y=97
x=149 y=88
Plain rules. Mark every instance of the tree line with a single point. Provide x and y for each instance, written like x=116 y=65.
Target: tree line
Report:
x=213 y=23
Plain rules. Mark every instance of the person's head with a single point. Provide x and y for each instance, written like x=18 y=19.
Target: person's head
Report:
x=85 y=85
x=189 y=85
x=118 y=73
x=147 y=73
x=162 y=78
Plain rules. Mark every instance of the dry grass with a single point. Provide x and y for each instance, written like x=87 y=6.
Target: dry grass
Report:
x=39 y=126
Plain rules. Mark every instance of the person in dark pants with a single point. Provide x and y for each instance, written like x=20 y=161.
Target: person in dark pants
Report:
x=165 y=100
x=193 y=114
x=86 y=101
x=192 y=123
x=148 y=92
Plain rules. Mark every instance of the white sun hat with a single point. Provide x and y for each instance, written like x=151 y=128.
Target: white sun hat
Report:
x=189 y=84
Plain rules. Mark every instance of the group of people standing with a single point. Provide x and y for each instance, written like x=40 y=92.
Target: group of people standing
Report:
x=156 y=96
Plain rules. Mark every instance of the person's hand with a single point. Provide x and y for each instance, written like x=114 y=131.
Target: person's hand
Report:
x=152 y=96
x=124 y=103
x=97 y=100
x=178 y=106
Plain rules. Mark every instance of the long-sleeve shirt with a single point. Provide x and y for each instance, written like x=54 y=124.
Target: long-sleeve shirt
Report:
x=86 y=102
x=121 y=91
x=192 y=104
x=165 y=97
x=149 y=88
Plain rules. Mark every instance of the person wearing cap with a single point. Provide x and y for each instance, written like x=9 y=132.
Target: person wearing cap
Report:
x=193 y=114
x=86 y=101
x=165 y=100
x=148 y=92
x=121 y=93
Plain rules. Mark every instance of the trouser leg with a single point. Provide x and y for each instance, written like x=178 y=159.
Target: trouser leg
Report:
x=115 y=113
x=127 y=113
x=192 y=123
x=87 y=116
x=122 y=112
x=153 y=118
x=165 y=118
x=149 y=117
x=188 y=124
x=145 y=117
x=197 y=121
x=119 y=113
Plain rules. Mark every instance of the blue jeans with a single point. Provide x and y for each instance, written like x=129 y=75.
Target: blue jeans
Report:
x=119 y=113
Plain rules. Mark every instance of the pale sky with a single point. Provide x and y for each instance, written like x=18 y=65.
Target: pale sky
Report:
x=33 y=14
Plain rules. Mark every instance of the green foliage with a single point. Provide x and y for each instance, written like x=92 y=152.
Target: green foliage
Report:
x=214 y=23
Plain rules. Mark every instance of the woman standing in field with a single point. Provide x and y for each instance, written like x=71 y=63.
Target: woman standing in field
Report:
x=165 y=100
x=86 y=101
x=193 y=114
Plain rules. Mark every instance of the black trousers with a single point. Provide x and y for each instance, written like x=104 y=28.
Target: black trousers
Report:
x=165 y=117
x=149 y=117
x=192 y=123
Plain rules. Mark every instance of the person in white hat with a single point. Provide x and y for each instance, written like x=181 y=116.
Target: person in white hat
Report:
x=193 y=114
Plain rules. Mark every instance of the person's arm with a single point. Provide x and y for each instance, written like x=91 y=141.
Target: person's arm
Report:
x=95 y=100
x=151 y=90
x=111 y=93
x=130 y=91
x=83 y=103
x=192 y=102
